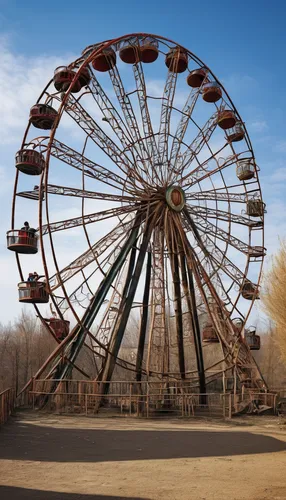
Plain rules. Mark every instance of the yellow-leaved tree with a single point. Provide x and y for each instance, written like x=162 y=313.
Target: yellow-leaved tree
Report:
x=274 y=296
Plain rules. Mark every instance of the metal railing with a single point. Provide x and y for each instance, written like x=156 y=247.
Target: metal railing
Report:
x=145 y=399
x=7 y=404
x=144 y=405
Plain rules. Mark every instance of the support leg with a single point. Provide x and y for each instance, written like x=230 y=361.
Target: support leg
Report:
x=144 y=319
x=97 y=301
x=120 y=326
x=178 y=310
x=197 y=337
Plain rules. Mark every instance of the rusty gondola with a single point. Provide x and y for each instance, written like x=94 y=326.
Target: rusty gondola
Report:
x=252 y=339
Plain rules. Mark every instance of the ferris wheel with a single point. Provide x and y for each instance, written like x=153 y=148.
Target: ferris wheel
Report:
x=149 y=207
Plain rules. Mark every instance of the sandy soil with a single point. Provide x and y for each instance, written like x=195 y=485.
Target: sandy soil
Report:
x=49 y=457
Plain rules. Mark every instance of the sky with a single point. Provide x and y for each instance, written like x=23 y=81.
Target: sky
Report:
x=242 y=42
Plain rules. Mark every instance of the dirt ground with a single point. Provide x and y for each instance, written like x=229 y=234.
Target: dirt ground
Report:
x=50 y=457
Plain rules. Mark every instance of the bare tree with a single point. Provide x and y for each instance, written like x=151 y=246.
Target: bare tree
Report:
x=23 y=348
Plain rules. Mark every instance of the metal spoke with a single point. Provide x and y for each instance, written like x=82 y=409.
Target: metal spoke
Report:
x=81 y=193
x=235 y=350
x=99 y=137
x=212 y=213
x=218 y=261
x=182 y=126
x=216 y=195
x=166 y=110
x=114 y=119
x=85 y=219
x=146 y=120
x=223 y=263
x=204 y=170
x=72 y=157
x=87 y=257
x=142 y=156
x=78 y=193
x=210 y=250
x=197 y=145
x=110 y=113
x=208 y=228
x=103 y=266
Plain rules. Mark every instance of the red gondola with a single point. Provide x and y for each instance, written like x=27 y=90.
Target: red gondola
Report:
x=84 y=77
x=30 y=161
x=226 y=119
x=149 y=50
x=211 y=92
x=196 y=77
x=43 y=116
x=60 y=327
x=105 y=60
x=130 y=53
x=33 y=292
x=177 y=60
x=63 y=77
x=22 y=241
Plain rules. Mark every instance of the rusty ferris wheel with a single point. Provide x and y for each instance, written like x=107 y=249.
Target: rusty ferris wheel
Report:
x=166 y=216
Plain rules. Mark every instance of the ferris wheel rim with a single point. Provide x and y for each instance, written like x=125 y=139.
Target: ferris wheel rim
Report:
x=85 y=63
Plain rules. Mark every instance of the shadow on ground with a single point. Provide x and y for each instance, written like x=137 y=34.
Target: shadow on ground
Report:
x=26 y=441
x=12 y=493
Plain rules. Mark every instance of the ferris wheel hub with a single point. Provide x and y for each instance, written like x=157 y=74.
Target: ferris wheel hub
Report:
x=175 y=198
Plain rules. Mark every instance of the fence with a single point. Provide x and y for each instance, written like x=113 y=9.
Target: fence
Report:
x=185 y=405
x=146 y=399
x=7 y=404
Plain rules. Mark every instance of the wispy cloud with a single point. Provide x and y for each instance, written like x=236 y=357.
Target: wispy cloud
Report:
x=239 y=83
x=279 y=175
x=258 y=126
x=280 y=146
x=6 y=181
x=21 y=81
